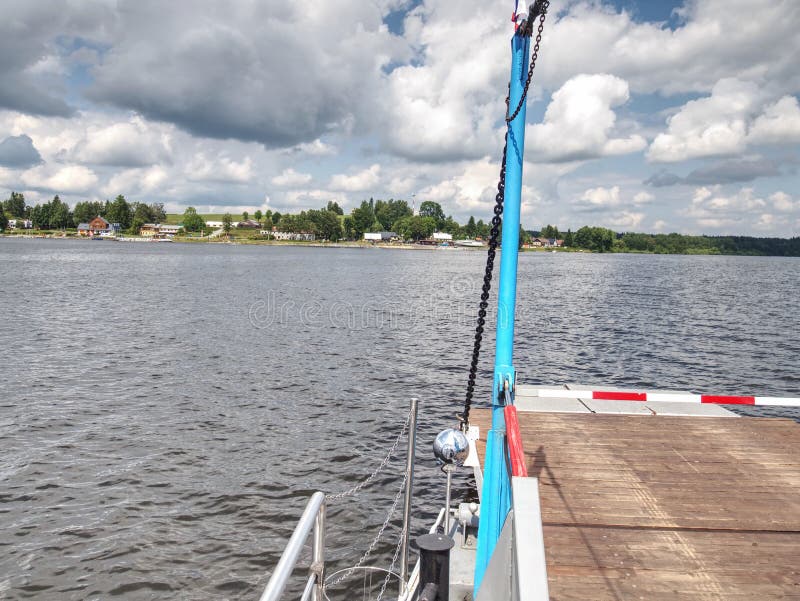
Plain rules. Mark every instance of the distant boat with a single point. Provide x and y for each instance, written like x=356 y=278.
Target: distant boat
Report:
x=469 y=243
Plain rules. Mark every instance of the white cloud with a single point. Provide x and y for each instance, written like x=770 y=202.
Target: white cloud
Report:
x=709 y=44
x=132 y=143
x=623 y=220
x=63 y=180
x=602 y=197
x=736 y=115
x=466 y=188
x=363 y=180
x=711 y=126
x=290 y=178
x=743 y=209
x=316 y=148
x=314 y=198
x=579 y=121
x=766 y=221
x=219 y=169
x=784 y=203
x=779 y=124
x=132 y=182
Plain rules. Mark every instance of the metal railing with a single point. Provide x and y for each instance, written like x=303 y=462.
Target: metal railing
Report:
x=313 y=518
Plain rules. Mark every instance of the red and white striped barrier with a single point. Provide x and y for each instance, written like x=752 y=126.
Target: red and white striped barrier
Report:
x=669 y=397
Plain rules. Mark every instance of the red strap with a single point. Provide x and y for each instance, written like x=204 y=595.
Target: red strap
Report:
x=515 y=451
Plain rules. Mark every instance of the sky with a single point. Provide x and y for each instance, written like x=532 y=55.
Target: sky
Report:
x=644 y=115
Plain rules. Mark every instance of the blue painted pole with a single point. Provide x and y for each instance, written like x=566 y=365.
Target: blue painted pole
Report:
x=496 y=494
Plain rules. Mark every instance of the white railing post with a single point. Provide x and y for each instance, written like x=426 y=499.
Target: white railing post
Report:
x=412 y=438
x=318 y=554
x=310 y=519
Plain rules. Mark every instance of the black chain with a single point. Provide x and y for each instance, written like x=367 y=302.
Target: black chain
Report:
x=495 y=231
x=534 y=56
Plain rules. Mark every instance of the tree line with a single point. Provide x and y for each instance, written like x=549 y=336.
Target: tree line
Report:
x=599 y=239
x=56 y=214
x=330 y=223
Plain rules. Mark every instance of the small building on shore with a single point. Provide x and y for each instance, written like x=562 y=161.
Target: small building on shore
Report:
x=380 y=236
x=159 y=230
x=293 y=236
x=98 y=226
x=20 y=224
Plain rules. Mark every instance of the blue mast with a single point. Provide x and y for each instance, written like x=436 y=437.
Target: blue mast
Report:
x=496 y=494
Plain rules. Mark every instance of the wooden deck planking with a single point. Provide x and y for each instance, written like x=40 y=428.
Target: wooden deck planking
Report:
x=661 y=507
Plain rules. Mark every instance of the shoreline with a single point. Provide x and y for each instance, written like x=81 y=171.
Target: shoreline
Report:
x=361 y=245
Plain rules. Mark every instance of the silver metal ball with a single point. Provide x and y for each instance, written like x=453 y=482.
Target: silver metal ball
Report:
x=451 y=447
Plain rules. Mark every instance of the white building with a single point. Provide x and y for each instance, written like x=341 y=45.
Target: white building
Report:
x=295 y=236
x=380 y=236
x=22 y=224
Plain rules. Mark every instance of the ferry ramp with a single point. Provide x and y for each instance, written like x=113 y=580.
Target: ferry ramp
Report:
x=653 y=502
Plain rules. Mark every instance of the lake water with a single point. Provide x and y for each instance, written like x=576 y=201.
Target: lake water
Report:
x=167 y=409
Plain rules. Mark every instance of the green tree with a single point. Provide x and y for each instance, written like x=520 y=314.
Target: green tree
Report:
x=392 y=210
x=363 y=218
x=58 y=214
x=276 y=218
x=598 y=239
x=550 y=231
x=40 y=215
x=471 y=229
x=84 y=212
x=157 y=212
x=348 y=228
x=483 y=230
x=3 y=219
x=141 y=215
x=227 y=223
x=245 y=215
x=450 y=226
x=15 y=205
x=334 y=207
x=524 y=237
x=415 y=227
x=432 y=209
x=327 y=225
x=192 y=222
x=120 y=212
x=297 y=223
x=569 y=239
x=258 y=215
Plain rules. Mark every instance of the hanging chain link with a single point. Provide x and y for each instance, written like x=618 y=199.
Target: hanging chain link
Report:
x=355 y=489
x=496 y=221
x=347 y=573
x=391 y=573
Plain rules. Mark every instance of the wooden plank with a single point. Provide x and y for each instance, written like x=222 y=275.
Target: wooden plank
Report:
x=664 y=507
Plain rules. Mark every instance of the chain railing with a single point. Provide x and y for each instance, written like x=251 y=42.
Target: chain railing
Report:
x=313 y=518
x=355 y=489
